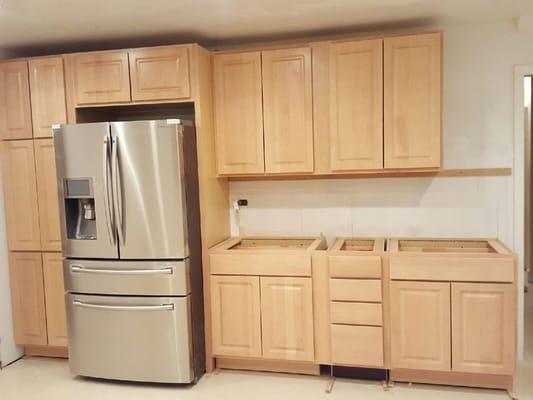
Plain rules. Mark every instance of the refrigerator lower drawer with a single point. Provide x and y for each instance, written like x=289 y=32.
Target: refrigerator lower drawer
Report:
x=145 y=339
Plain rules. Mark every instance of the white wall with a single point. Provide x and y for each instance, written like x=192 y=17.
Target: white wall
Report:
x=478 y=133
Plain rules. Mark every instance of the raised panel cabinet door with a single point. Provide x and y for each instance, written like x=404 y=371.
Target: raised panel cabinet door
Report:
x=238 y=113
x=101 y=77
x=420 y=325
x=54 y=294
x=236 y=316
x=356 y=105
x=20 y=194
x=15 y=106
x=45 y=168
x=160 y=73
x=287 y=318
x=412 y=101
x=288 y=110
x=48 y=104
x=483 y=328
x=27 y=295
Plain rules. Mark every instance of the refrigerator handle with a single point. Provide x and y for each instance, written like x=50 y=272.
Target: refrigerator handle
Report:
x=107 y=201
x=117 y=190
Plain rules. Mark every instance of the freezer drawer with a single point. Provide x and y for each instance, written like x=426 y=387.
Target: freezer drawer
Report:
x=155 y=278
x=130 y=338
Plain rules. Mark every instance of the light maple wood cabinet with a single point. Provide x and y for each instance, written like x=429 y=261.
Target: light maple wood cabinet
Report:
x=160 y=73
x=412 y=101
x=238 y=113
x=356 y=105
x=54 y=294
x=15 y=105
x=27 y=294
x=20 y=194
x=47 y=88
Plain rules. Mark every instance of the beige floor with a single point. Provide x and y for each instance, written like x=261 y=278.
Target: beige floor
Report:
x=47 y=379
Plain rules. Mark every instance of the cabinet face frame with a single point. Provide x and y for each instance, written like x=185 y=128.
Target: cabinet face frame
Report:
x=54 y=294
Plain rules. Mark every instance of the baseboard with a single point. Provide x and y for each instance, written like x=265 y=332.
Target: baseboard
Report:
x=46 y=351
x=292 y=367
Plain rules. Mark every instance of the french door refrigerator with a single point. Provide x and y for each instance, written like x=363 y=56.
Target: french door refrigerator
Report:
x=129 y=214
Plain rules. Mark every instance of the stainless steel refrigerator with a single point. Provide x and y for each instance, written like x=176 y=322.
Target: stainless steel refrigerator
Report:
x=131 y=241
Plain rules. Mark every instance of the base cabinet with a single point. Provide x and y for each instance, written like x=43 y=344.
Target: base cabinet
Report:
x=54 y=294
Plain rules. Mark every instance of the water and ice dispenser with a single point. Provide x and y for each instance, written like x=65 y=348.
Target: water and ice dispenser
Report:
x=79 y=209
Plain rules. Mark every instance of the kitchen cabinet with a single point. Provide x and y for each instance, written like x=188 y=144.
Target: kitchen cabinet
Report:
x=356 y=105
x=20 y=194
x=420 y=325
x=101 y=77
x=54 y=294
x=238 y=113
x=482 y=337
x=288 y=110
x=45 y=168
x=236 y=316
x=15 y=106
x=27 y=294
x=159 y=73
x=47 y=88
x=287 y=318
x=412 y=101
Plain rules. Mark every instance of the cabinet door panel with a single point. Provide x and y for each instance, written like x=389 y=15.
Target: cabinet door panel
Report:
x=238 y=113
x=54 y=293
x=27 y=294
x=412 y=113
x=47 y=195
x=483 y=328
x=159 y=73
x=236 y=316
x=48 y=105
x=287 y=318
x=20 y=193
x=101 y=77
x=420 y=325
x=288 y=110
x=356 y=105
x=15 y=108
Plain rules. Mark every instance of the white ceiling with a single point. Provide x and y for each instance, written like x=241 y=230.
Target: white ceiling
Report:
x=42 y=25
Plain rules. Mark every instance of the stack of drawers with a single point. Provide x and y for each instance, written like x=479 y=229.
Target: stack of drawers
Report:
x=356 y=302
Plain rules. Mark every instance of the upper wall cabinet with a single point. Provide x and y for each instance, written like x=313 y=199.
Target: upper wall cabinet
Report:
x=238 y=113
x=356 y=105
x=15 y=108
x=160 y=73
x=288 y=110
x=412 y=104
x=47 y=84
x=101 y=77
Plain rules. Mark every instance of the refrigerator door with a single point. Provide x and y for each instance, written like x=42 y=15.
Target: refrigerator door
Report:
x=149 y=196
x=130 y=338
x=83 y=165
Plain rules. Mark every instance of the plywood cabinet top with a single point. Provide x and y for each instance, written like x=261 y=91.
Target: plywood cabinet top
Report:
x=299 y=244
x=465 y=247
x=357 y=246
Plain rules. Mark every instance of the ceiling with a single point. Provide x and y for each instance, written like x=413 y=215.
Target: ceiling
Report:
x=42 y=26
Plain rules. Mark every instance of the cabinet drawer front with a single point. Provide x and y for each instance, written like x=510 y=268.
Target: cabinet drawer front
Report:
x=356 y=313
x=357 y=345
x=261 y=264
x=355 y=290
x=354 y=267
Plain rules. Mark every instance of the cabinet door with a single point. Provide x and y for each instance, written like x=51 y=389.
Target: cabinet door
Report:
x=420 y=325
x=483 y=328
x=54 y=294
x=160 y=73
x=412 y=109
x=20 y=194
x=27 y=294
x=238 y=113
x=15 y=108
x=101 y=77
x=45 y=167
x=236 y=316
x=48 y=105
x=287 y=318
x=356 y=105
x=288 y=110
